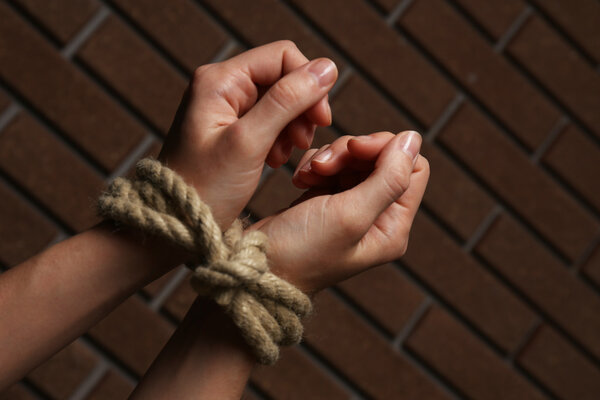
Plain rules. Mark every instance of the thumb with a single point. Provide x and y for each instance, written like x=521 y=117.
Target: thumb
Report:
x=289 y=97
x=390 y=179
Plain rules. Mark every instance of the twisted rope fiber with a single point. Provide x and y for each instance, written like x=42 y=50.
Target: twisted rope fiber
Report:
x=232 y=266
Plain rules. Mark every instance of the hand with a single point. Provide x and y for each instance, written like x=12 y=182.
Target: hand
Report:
x=238 y=113
x=345 y=223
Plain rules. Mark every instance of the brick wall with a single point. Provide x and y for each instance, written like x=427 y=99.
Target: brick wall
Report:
x=498 y=296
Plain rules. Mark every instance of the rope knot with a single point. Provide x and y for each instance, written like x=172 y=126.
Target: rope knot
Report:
x=233 y=266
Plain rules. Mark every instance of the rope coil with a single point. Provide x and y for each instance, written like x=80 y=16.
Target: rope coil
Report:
x=232 y=266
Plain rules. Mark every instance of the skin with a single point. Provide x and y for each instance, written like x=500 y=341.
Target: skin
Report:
x=235 y=116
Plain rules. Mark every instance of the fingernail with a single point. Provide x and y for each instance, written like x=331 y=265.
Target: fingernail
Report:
x=363 y=138
x=306 y=167
x=324 y=156
x=411 y=143
x=324 y=71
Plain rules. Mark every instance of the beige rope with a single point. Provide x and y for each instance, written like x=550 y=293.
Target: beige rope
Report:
x=233 y=266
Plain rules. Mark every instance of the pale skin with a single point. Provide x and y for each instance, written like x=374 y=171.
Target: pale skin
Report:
x=236 y=116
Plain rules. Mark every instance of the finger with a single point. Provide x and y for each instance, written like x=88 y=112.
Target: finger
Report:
x=305 y=158
x=295 y=178
x=412 y=197
x=339 y=158
x=284 y=101
x=390 y=179
x=301 y=131
x=389 y=234
x=368 y=147
x=280 y=152
x=320 y=113
x=305 y=175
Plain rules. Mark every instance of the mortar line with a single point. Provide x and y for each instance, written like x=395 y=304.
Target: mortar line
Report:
x=483 y=228
x=157 y=301
x=554 y=133
x=447 y=114
x=585 y=256
x=225 y=51
x=9 y=114
x=341 y=81
x=429 y=372
x=397 y=12
x=331 y=371
x=132 y=157
x=513 y=29
x=525 y=340
x=89 y=383
x=129 y=376
x=85 y=33
x=412 y=322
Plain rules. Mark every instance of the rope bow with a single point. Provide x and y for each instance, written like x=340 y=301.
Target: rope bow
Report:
x=232 y=266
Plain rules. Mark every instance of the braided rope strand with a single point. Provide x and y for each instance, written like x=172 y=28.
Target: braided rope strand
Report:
x=233 y=267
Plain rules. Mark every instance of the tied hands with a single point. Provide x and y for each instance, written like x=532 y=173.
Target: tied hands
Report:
x=362 y=193
x=361 y=196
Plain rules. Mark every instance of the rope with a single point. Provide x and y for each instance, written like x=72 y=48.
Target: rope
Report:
x=232 y=266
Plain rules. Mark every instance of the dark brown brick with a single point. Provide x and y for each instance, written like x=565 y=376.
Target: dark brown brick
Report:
x=354 y=348
x=576 y=158
x=112 y=386
x=180 y=300
x=471 y=59
x=592 y=266
x=264 y=21
x=522 y=260
x=579 y=18
x=16 y=392
x=133 y=333
x=500 y=163
x=179 y=26
x=559 y=366
x=359 y=110
x=4 y=102
x=465 y=361
x=135 y=71
x=62 y=18
x=62 y=374
x=386 y=56
x=462 y=282
x=560 y=69
x=23 y=230
x=495 y=16
x=385 y=294
x=451 y=195
x=275 y=193
x=63 y=94
x=50 y=171
x=296 y=377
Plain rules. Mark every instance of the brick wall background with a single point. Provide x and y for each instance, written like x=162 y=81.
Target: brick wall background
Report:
x=498 y=296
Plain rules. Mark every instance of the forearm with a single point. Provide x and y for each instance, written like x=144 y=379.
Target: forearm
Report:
x=206 y=358
x=56 y=296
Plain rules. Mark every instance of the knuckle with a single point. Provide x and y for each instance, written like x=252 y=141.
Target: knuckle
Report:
x=284 y=95
x=396 y=182
x=201 y=77
x=235 y=138
x=287 y=44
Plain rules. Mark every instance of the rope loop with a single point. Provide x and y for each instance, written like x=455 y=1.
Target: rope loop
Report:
x=232 y=266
